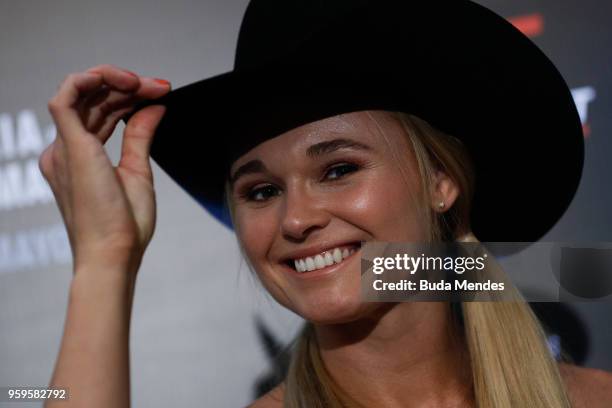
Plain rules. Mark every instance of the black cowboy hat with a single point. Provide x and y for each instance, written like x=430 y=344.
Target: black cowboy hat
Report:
x=454 y=63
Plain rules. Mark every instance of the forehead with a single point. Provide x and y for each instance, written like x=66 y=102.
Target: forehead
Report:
x=362 y=126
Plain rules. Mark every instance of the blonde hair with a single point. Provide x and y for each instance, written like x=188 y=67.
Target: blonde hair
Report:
x=509 y=357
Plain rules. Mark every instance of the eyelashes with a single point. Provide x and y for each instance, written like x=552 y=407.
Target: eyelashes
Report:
x=340 y=171
x=250 y=195
x=343 y=169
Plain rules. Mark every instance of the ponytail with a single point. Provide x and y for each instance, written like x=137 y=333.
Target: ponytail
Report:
x=510 y=360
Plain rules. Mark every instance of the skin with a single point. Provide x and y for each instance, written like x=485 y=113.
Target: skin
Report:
x=366 y=347
x=109 y=214
x=305 y=204
x=309 y=207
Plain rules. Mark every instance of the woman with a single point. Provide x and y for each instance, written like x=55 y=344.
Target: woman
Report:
x=336 y=175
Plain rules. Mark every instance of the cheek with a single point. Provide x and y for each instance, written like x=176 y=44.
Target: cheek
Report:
x=256 y=233
x=385 y=205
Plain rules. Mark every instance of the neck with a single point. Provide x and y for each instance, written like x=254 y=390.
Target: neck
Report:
x=404 y=353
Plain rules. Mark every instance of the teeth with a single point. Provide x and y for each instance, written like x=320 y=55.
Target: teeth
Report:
x=337 y=255
x=319 y=262
x=322 y=260
x=329 y=259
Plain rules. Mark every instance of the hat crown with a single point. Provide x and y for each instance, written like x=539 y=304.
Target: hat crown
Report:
x=272 y=29
x=458 y=65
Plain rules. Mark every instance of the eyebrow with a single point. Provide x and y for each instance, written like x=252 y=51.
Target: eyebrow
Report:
x=316 y=150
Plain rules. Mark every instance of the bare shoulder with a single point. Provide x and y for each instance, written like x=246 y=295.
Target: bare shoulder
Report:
x=273 y=399
x=587 y=387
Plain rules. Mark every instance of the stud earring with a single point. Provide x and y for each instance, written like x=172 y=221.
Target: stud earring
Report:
x=441 y=204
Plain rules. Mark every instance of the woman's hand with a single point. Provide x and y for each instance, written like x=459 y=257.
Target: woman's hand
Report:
x=109 y=211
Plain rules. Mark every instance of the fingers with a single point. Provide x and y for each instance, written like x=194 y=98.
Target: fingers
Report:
x=119 y=87
x=137 y=139
x=95 y=100
x=100 y=203
x=65 y=106
x=61 y=105
x=151 y=88
x=92 y=102
x=103 y=109
x=117 y=78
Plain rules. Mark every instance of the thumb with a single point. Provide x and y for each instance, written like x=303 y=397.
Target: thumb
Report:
x=137 y=140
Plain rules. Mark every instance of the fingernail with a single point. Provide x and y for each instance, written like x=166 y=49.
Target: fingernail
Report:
x=162 y=82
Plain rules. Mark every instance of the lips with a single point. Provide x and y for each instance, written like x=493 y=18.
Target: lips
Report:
x=323 y=259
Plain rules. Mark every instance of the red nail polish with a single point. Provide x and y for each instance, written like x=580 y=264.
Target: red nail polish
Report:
x=162 y=82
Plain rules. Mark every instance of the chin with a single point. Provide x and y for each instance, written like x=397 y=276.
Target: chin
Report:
x=332 y=299
x=333 y=309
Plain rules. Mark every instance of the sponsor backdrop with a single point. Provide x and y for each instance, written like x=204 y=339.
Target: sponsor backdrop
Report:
x=203 y=330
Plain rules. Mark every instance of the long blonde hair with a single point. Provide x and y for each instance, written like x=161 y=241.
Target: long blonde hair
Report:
x=510 y=360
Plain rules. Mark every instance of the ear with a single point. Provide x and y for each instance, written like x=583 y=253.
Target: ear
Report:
x=445 y=191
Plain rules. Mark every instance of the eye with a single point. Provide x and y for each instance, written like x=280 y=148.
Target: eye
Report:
x=263 y=193
x=342 y=169
x=252 y=195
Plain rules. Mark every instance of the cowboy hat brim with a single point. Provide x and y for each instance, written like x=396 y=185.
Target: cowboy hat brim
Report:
x=464 y=69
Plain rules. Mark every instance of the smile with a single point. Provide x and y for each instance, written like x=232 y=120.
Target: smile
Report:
x=325 y=259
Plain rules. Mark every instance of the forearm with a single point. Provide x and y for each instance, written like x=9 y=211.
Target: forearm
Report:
x=93 y=361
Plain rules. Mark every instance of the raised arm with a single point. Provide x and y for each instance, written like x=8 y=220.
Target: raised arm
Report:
x=109 y=214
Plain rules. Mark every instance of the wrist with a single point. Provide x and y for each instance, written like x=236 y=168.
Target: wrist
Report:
x=95 y=278
x=115 y=261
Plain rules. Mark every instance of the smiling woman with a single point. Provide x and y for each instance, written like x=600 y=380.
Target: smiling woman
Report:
x=324 y=186
x=403 y=181
x=430 y=125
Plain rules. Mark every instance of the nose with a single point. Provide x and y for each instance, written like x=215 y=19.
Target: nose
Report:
x=302 y=213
